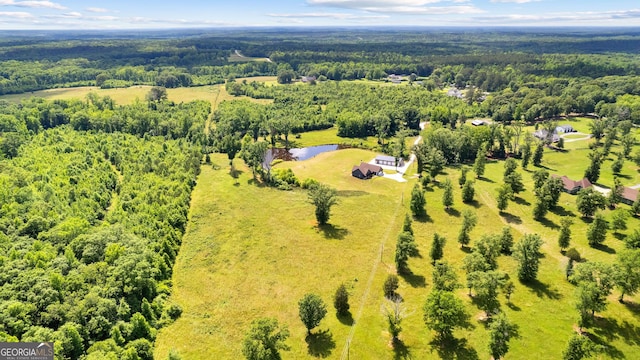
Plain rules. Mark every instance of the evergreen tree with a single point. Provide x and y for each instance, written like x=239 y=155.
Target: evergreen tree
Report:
x=437 y=248
x=481 y=160
x=597 y=230
x=418 y=202
x=447 y=195
x=564 y=238
x=468 y=191
x=537 y=155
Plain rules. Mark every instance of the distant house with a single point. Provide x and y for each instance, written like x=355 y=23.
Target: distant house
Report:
x=543 y=134
x=629 y=195
x=564 y=129
x=366 y=171
x=572 y=187
x=454 y=92
x=388 y=161
x=478 y=123
x=308 y=79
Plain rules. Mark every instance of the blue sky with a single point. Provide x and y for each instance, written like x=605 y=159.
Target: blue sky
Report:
x=119 y=14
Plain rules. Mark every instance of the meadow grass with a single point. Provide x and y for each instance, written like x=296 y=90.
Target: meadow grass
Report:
x=124 y=96
x=253 y=251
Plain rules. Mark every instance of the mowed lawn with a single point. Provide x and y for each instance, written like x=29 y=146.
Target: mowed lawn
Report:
x=252 y=251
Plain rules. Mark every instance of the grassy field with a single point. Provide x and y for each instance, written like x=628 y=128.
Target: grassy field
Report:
x=253 y=251
x=237 y=57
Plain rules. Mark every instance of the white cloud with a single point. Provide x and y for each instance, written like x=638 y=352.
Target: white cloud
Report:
x=589 y=17
x=97 y=10
x=16 y=14
x=32 y=4
x=339 y=16
x=514 y=1
x=407 y=7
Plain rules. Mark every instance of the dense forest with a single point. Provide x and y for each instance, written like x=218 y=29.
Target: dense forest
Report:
x=93 y=206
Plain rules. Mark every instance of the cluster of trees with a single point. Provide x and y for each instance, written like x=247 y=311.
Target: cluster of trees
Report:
x=153 y=118
x=91 y=223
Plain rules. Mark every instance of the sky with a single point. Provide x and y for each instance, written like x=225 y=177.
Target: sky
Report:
x=159 y=14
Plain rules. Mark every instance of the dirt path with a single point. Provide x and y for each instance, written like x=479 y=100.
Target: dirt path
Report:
x=586 y=137
x=374 y=270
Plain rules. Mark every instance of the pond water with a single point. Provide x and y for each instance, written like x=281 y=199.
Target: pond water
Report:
x=300 y=154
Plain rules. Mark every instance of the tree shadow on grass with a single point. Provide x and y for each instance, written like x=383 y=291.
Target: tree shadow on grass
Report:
x=611 y=329
x=482 y=178
x=548 y=223
x=543 y=290
x=474 y=203
x=423 y=218
x=605 y=347
x=632 y=306
x=454 y=349
x=415 y=280
x=345 y=319
x=330 y=231
x=401 y=351
x=619 y=236
x=320 y=344
x=560 y=211
x=452 y=212
x=604 y=248
x=513 y=306
x=510 y=218
x=520 y=201
x=351 y=193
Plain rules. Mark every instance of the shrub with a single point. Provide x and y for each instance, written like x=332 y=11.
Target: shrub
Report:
x=573 y=254
x=308 y=183
x=390 y=286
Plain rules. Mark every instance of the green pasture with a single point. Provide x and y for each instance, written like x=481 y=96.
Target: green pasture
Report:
x=252 y=251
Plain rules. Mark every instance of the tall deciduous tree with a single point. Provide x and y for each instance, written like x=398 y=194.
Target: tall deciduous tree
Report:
x=443 y=313
x=444 y=276
x=564 y=238
x=312 y=310
x=469 y=221
x=597 y=230
x=527 y=252
x=394 y=312
x=501 y=330
x=627 y=275
x=589 y=201
x=323 y=197
x=264 y=340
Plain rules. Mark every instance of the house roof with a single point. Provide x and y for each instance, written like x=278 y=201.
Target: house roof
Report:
x=570 y=185
x=386 y=158
x=367 y=168
x=629 y=194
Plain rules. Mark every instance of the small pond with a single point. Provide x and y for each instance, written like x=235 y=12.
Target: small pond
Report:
x=300 y=154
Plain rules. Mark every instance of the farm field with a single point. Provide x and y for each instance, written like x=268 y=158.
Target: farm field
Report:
x=125 y=96
x=237 y=264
